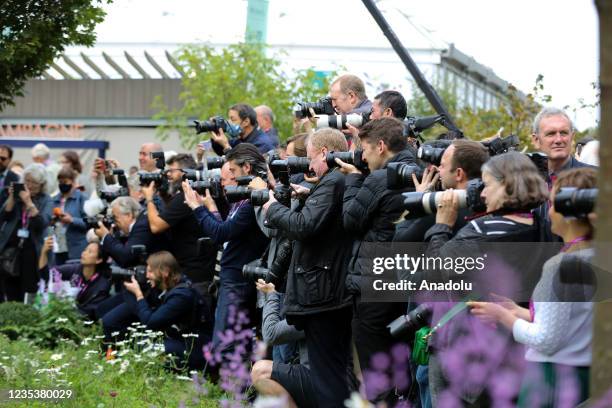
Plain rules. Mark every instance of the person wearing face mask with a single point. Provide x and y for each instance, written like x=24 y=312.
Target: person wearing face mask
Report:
x=69 y=227
x=23 y=221
x=176 y=311
x=243 y=120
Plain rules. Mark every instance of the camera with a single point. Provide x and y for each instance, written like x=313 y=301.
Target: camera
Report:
x=399 y=175
x=420 y=204
x=212 y=163
x=354 y=158
x=340 y=121
x=92 y=222
x=211 y=184
x=216 y=123
x=277 y=271
x=575 y=202
x=322 y=107
x=17 y=188
x=407 y=325
x=502 y=145
x=541 y=162
x=431 y=154
x=145 y=178
x=160 y=159
x=139 y=272
x=239 y=193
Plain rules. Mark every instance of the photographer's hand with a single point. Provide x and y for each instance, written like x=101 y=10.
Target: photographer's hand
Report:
x=351 y=130
x=264 y=287
x=209 y=202
x=133 y=287
x=270 y=201
x=430 y=178
x=192 y=199
x=258 y=184
x=300 y=191
x=220 y=138
x=346 y=168
x=148 y=191
x=447 y=208
x=101 y=231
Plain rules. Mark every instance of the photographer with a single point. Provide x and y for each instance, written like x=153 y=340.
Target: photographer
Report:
x=23 y=220
x=460 y=163
x=513 y=188
x=69 y=226
x=348 y=95
x=6 y=175
x=316 y=300
x=178 y=221
x=132 y=226
x=369 y=212
x=557 y=329
x=244 y=117
x=240 y=235
x=265 y=119
x=389 y=104
x=176 y=314
x=91 y=275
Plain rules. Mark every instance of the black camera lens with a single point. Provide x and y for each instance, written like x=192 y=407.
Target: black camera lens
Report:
x=237 y=193
x=322 y=107
x=212 y=125
x=405 y=326
x=298 y=165
x=399 y=175
x=430 y=154
x=575 y=202
x=354 y=158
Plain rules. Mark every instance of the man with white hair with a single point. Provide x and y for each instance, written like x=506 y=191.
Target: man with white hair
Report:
x=553 y=134
x=265 y=119
x=41 y=154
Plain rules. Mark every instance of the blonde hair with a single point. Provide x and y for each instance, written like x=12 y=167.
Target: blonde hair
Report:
x=332 y=139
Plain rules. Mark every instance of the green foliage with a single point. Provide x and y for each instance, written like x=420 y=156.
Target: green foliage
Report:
x=96 y=382
x=216 y=79
x=515 y=114
x=33 y=33
x=58 y=321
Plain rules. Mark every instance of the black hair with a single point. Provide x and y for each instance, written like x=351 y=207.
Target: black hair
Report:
x=247 y=153
x=395 y=101
x=245 y=111
x=8 y=148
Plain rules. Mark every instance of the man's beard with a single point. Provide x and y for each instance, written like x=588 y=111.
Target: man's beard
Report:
x=174 y=187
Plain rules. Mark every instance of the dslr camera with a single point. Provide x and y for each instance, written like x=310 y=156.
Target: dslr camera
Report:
x=216 y=123
x=322 y=107
x=200 y=181
x=575 y=202
x=354 y=158
x=139 y=272
x=399 y=175
x=277 y=271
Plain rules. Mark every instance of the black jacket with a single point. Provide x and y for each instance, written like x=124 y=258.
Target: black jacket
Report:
x=121 y=250
x=370 y=212
x=315 y=280
x=9 y=177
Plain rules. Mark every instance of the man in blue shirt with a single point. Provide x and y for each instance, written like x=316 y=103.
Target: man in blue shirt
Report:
x=245 y=117
x=240 y=235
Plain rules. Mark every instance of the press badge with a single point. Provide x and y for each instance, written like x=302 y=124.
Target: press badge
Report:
x=23 y=233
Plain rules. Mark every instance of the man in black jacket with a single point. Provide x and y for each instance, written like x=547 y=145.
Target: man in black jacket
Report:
x=132 y=224
x=369 y=213
x=243 y=122
x=316 y=300
x=6 y=176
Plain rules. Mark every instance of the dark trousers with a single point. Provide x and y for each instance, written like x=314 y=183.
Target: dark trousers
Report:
x=117 y=320
x=328 y=340
x=241 y=297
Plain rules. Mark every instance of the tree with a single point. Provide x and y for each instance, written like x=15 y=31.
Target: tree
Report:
x=34 y=32
x=515 y=113
x=215 y=79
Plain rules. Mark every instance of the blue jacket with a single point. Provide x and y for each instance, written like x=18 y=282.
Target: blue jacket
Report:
x=245 y=241
x=75 y=233
x=256 y=137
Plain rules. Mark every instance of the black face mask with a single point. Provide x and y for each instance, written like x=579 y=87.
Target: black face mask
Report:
x=64 y=188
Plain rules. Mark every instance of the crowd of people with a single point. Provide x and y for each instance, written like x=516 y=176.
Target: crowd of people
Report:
x=282 y=232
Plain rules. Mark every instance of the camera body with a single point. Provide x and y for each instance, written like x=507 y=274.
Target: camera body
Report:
x=216 y=123
x=322 y=107
x=139 y=272
x=215 y=162
x=430 y=154
x=277 y=271
x=407 y=325
x=92 y=222
x=399 y=175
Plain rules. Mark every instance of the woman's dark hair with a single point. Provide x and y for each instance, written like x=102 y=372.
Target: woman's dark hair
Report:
x=73 y=158
x=103 y=268
x=524 y=186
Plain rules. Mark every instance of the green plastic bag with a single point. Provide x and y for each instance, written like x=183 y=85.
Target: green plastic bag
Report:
x=420 y=354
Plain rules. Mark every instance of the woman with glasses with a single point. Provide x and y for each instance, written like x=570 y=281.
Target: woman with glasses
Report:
x=24 y=218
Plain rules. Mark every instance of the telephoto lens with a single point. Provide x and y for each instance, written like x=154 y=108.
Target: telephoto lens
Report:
x=419 y=204
x=399 y=175
x=254 y=271
x=297 y=165
x=237 y=193
x=354 y=158
x=146 y=178
x=215 y=162
x=407 y=325
x=340 y=121
x=575 y=202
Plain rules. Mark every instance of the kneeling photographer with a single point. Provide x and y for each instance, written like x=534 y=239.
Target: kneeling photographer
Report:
x=369 y=212
x=177 y=311
x=91 y=276
x=316 y=300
